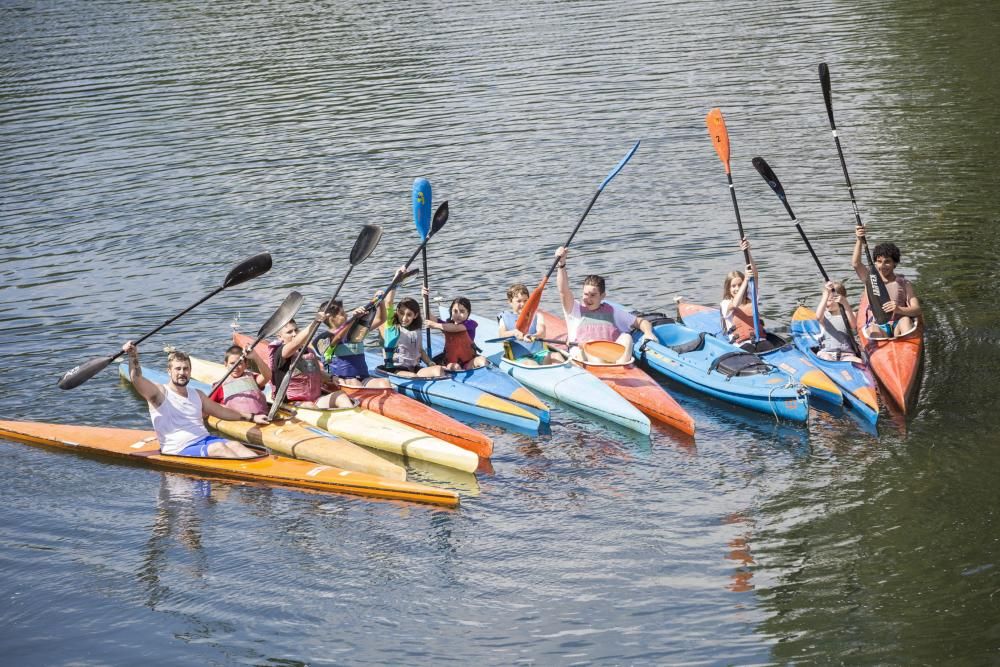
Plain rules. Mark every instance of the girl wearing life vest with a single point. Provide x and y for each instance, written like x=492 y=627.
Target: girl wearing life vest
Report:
x=402 y=336
x=737 y=306
x=460 y=351
x=242 y=390
x=344 y=360
x=531 y=352
x=306 y=384
x=835 y=340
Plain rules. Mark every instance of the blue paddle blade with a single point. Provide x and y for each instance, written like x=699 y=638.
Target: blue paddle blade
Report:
x=422 y=206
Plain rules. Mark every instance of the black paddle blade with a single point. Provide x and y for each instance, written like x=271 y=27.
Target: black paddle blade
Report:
x=249 y=268
x=80 y=374
x=764 y=169
x=367 y=240
x=440 y=218
x=286 y=311
x=824 y=82
x=877 y=295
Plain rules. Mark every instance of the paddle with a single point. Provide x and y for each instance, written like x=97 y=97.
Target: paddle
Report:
x=439 y=220
x=874 y=286
x=720 y=139
x=531 y=305
x=363 y=247
x=764 y=169
x=242 y=272
x=422 y=197
x=285 y=312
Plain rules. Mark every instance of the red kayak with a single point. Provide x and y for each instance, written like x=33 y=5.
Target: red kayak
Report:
x=632 y=383
x=896 y=362
x=392 y=404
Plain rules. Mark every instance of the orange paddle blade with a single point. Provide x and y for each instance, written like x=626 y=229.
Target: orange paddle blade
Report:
x=605 y=350
x=720 y=136
x=530 y=307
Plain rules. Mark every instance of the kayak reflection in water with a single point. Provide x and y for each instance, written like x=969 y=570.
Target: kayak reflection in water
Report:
x=591 y=319
x=178 y=414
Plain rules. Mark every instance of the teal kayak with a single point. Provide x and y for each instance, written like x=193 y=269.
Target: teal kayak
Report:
x=565 y=382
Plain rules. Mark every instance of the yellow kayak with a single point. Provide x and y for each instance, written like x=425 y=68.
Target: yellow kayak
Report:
x=365 y=428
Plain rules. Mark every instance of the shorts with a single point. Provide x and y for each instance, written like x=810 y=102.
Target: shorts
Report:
x=199 y=448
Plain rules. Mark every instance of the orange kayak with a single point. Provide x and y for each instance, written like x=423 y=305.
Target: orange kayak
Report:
x=632 y=383
x=896 y=362
x=390 y=403
x=142 y=447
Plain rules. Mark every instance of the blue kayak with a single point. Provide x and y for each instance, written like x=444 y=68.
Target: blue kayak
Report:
x=570 y=384
x=718 y=368
x=784 y=355
x=854 y=379
x=450 y=393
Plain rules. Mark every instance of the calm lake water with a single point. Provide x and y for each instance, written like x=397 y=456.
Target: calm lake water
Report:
x=147 y=147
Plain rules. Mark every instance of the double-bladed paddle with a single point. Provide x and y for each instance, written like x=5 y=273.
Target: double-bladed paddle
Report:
x=720 y=140
x=531 y=305
x=282 y=316
x=764 y=169
x=363 y=247
x=422 y=198
x=874 y=286
x=242 y=272
x=439 y=220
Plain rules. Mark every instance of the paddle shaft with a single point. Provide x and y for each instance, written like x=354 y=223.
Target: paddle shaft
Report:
x=171 y=320
x=279 y=395
x=427 y=297
x=875 y=286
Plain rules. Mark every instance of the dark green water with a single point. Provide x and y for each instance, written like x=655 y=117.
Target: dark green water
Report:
x=146 y=147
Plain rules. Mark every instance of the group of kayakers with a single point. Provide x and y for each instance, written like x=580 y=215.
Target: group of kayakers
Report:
x=337 y=355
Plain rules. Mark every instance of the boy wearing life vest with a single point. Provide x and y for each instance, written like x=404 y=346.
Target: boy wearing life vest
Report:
x=903 y=306
x=178 y=413
x=591 y=319
x=306 y=385
x=532 y=352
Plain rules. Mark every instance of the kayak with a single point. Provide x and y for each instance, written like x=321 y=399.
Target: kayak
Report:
x=784 y=355
x=390 y=403
x=142 y=447
x=291 y=438
x=566 y=382
x=720 y=369
x=856 y=382
x=491 y=379
x=355 y=424
x=629 y=381
x=896 y=362
x=445 y=392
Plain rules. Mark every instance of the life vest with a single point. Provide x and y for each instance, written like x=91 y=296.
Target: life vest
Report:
x=244 y=395
x=307 y=376
x=598 y=324
x=458 y=347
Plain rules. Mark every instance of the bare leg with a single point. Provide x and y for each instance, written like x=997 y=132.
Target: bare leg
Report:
x=230 y=449
x=625 y=340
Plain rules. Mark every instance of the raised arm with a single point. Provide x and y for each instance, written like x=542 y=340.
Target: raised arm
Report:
x=562 y=281
x=152 y=392
x=859 y=268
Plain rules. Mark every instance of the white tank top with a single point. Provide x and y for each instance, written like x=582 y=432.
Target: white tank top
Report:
x=178 y=421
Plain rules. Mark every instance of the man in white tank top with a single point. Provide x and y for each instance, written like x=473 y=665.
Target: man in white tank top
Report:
x=178 y=413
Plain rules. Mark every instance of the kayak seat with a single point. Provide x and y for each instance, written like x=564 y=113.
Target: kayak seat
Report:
x=654 y=318
x=690 y=345
x=739 y=364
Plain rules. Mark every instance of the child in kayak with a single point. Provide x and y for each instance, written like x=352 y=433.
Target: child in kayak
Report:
x=403 y=341
x=242 y=389
x=306 y=385
x=460 y=352
x=737 y=306
x=344 y=360
x=592 y=319
x=835 y=338
x=533 y=353
x=903 y=306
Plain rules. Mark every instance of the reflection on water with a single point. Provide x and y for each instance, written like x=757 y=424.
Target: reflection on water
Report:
x=147 y=147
